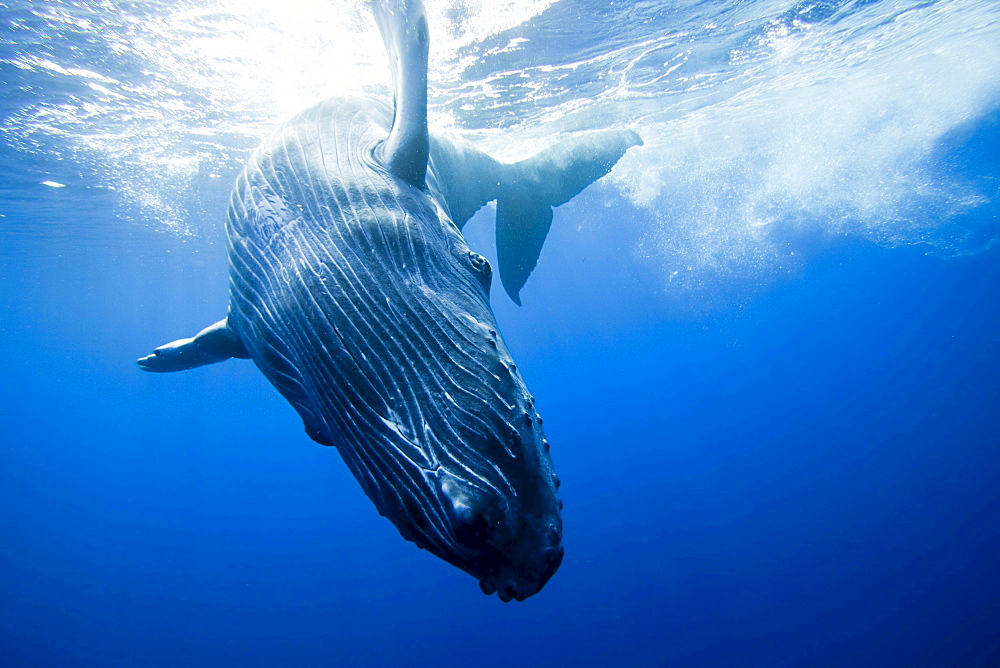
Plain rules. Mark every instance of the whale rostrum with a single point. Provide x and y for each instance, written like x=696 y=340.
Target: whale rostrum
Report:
x=353 y=290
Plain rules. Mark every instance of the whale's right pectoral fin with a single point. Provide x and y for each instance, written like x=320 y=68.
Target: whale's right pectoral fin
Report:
x=216 y=343
x=531 y=188
x=523 y=222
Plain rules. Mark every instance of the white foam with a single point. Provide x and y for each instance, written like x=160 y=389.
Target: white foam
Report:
x=835 y=130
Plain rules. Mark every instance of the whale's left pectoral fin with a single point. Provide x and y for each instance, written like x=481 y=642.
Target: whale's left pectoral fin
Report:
x=403 y=24
x=216 y=343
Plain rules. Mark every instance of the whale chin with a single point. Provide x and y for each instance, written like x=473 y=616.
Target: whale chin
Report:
x=509 y=585
x=519 y=567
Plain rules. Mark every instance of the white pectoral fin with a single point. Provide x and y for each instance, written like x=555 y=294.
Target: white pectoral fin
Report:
x=532 y=187
x=523 y=222
x=216 y=343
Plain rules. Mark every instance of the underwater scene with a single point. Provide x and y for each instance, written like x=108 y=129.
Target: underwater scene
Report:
x=763 y=332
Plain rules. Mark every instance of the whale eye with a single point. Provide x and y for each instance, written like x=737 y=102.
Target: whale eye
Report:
x=480 y=264
x=483 y=270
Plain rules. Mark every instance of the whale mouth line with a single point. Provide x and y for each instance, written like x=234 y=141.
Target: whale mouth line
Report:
x=507 y=591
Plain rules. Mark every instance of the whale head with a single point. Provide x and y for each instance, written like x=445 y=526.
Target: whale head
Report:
x=512 y=545
x=442 y=432
x=491 y=508
x=476 y=486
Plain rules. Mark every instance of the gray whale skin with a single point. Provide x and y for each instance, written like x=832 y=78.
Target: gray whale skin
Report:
x=353 y=290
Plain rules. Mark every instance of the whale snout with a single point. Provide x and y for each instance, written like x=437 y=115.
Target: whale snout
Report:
x=525 y=568
x=527 y=581
x=512 y=546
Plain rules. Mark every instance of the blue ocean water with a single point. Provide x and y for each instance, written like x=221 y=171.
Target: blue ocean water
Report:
x=765 y=346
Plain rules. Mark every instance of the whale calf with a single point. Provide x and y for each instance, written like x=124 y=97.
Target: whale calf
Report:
x=353 y=290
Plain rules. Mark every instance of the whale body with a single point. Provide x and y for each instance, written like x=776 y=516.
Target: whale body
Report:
x=353 y=290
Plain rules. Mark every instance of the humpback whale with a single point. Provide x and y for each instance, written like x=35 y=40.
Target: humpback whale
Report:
x=353 y=290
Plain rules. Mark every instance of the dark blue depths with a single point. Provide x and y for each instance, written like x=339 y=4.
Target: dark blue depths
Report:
x=805 y=476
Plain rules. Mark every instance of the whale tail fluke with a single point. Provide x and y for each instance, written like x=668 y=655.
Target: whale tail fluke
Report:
x=529 y=189
x=215 y=343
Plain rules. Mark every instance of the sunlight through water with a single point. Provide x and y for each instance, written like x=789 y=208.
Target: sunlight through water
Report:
x=828 y=117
